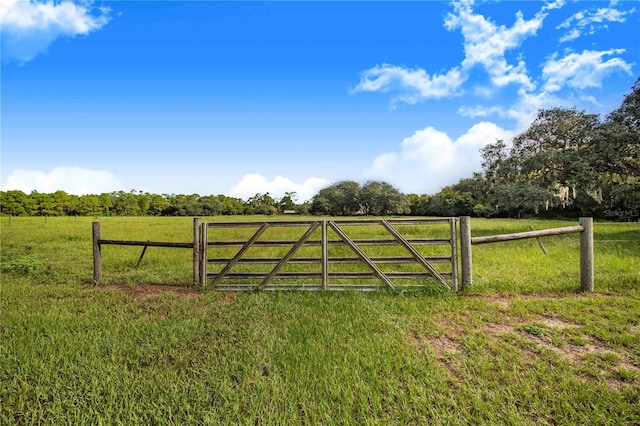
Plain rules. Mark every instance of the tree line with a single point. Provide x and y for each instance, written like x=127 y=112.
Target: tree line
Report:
x=567 y=163
x=138 y=203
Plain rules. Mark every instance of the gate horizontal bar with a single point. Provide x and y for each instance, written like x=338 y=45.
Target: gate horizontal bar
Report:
x=343 y=275
x=338 y=221
x=299 y=260
x=254 y=224
x=315 y=243
x=312 y=287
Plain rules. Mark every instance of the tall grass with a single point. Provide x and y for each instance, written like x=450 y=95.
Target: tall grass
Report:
x=520 y=347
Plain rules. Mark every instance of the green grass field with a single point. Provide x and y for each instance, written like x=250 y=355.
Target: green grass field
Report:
x=521 y=346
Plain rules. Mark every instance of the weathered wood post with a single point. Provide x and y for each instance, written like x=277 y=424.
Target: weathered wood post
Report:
x=204 y=240
x=586 y=254
x=97 y=259
x=454 y=253
x=325 y=256
x=196 y=251
x=465 y=252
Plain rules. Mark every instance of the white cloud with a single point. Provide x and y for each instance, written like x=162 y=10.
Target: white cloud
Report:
x=73 y=180
x=413 y=85
x=253 y=184
x=589 y=22
x=430 y=159
x=485 y=43
x=29 y=27
x=582 y=70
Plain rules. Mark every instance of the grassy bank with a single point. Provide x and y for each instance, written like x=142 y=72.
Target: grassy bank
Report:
x=520 y=347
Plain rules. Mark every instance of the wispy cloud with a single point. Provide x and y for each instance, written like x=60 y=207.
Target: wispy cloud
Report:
x=582 y=70
x=73 y=180
x=412 y=85
x=253 y=184
x=485 y=43
x=29 y=27
x=591 y=21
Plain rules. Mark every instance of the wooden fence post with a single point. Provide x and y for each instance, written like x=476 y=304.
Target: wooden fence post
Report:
x=465 y=252
x=325 y=256
x=97 y=259
x=204 y=240
x=196 y=251
x=454 y=253
x=586 y=254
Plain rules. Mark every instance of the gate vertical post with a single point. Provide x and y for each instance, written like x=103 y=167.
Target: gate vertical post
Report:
x=586 y=254
x=204 y=238
x=465 y=252
x=97 y=258
x=196 y=251
x=454 y=253
x=325 y=256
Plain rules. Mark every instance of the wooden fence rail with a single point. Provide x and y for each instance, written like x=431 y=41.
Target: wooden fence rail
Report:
x=98 y=242
x=585 y=228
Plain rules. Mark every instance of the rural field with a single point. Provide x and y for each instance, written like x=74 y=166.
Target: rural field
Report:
x=522 y=346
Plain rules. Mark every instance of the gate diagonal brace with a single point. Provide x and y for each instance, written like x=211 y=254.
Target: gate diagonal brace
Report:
x=362 y=256
x=240 y=253
x=414 y=253
x=288 y=256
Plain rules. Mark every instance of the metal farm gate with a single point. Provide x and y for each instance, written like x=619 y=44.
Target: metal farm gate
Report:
x=399 y=254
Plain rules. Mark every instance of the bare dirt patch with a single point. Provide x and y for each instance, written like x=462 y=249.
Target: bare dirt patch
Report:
x=442 y=346
x=498 y=329
x=556 y=322
x=142 y=292
x=504 y=301
x=445 y=347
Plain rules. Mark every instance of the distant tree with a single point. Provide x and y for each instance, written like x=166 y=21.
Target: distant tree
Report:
x=15 y=203
x=518 y=199
x=382 y=198
x=288 y=201
x=156 y=204
x=44 y=203
x=339 y=199
x=89 y=205
x=231 y=205
x=210 y=205
x=303 y=209
x=126 y=203
x=261 y=204
x=61 y=203
x=451 y=202
x=418 y=204
x=477 y=186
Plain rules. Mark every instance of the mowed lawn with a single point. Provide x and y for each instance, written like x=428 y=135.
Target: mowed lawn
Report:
x=522 y=346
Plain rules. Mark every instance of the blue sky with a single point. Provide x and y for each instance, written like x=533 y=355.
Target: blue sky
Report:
x=238 y=98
